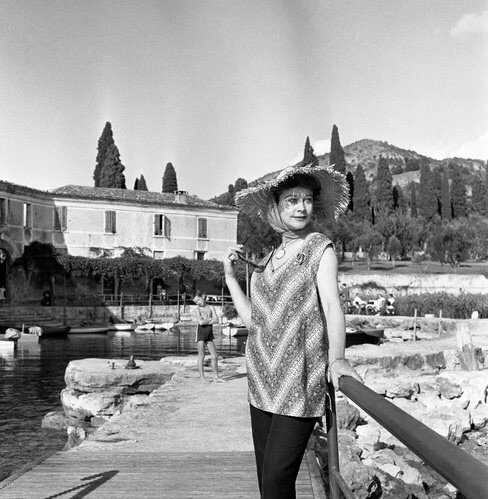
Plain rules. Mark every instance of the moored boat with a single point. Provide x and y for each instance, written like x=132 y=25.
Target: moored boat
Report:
x=48 y=330
x=88 y=329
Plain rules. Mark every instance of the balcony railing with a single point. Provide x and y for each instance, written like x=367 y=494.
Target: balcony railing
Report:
x=462 y=470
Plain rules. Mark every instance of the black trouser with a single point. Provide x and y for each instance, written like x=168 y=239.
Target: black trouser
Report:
x=279 y=445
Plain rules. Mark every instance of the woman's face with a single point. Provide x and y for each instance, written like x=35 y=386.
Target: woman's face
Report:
x=296 y=207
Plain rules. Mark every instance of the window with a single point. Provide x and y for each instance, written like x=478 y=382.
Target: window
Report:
x=199 y=255
x=60 y=218
x=158 y=255
x=162 y=226
x=202 y=228
x=27 y=215
x=3 y=211
x=110 y=222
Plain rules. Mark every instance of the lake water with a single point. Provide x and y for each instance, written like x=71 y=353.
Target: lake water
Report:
x=32 y=378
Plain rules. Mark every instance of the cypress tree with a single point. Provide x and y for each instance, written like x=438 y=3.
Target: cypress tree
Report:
x=350 y=183
x=446 y=209
x=170 y=184
x=361 y=196
x=112 y=172
x=142 y=184
x=437 y=187
x=309 y=157
x=105 y=140
x=458 y=195
x=478 y=194
x=427 y=200
x=413 y=200
x=136 y=184
x=398 y=198
x=384 y=190
x=337 y=157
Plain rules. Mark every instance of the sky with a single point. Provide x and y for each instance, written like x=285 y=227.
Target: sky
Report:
x=227 y=89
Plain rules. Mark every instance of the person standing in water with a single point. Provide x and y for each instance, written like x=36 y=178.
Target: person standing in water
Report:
x=205 y=316
x=296 y=324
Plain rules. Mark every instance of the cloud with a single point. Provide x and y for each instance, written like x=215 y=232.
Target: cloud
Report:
x=474 y=149
x=469 y=24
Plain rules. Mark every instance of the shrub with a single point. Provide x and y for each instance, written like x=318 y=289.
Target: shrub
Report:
x=452 y=306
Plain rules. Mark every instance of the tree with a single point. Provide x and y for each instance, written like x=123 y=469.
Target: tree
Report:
x=350 y=183
x=337 y=157
x=105 y=140
x=309 y=157
x=413 y=200
x=384 y=191
x=458 y=195
x=112 y=172
x=452 y=242
x=361 y=196
x=398 y=198
x=427 y=200
x=446 y=209
x=142 y=184
x=437 y=187
x=393 y=248
x=170 y=184
x=136 y=184
x=478 y=194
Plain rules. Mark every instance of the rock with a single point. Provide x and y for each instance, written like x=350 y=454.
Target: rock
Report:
x=479 y=416
x=55 y=420
x=347 y=415
x=401 y=388
x=91 y=375
x=76 y=435
x=84 y=406
x=361 y=480
x=448 y=389
x=348 y=450
x=368 y=436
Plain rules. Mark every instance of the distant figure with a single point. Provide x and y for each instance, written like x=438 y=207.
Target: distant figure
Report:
x=359 y=304
x=205 y=316
x=3 y=294
x=159 y=292
x=390 y=305
x=345 y=297
x=46 y=299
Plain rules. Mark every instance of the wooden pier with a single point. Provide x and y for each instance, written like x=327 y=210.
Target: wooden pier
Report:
x=176 y=475
x=189 y=440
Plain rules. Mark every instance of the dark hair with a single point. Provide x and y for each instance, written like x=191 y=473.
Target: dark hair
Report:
x=298 y=180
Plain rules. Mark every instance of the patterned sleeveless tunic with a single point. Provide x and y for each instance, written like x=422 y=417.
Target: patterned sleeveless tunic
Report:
x=287 y=344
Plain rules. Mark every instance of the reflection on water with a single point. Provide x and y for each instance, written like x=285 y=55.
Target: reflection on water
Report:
x=32 y=377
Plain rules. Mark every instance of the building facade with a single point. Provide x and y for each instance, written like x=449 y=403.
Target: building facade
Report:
x=94 y=221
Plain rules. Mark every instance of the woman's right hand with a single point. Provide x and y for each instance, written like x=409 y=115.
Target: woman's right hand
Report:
x=230 y=259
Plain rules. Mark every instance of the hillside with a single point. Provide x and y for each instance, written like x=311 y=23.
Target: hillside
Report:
x=367 y=152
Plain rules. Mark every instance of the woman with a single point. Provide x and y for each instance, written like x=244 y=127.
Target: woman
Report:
x=295 y=320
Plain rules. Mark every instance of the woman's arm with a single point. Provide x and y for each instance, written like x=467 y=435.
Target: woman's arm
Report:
x=336 y=323
x=241 y=301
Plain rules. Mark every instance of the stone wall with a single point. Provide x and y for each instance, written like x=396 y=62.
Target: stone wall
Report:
x=406 y=284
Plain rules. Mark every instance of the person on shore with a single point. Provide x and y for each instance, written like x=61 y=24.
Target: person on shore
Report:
x=296 y=325
x=205 y=316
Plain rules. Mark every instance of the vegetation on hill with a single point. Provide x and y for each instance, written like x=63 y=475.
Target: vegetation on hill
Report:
x=403 y=205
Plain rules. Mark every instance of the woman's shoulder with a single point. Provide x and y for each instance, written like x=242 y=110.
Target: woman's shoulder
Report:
x=318 y=238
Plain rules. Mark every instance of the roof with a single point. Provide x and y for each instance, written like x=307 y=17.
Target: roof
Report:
x=137 y=197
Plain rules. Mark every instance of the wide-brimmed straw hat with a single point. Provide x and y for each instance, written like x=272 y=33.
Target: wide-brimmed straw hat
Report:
x=331 y=202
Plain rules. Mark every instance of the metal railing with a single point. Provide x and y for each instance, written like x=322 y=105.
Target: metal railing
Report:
x=466 y=473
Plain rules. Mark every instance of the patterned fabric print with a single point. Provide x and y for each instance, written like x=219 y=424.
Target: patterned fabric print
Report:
x=287 y=343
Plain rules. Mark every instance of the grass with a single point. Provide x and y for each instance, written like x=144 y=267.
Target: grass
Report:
x=408 y=267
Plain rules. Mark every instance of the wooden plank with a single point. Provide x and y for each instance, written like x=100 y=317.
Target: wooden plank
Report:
x=107 y=475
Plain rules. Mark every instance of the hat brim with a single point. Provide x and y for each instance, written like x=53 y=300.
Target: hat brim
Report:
x=332 y=201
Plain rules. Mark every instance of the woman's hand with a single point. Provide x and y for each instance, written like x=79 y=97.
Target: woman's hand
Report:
x=230 y=258
x=338 y=368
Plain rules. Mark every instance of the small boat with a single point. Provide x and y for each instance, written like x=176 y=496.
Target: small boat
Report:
x=235 y=331
x=163 y=325
x=48 y=330
x=122 y=326
x=88 y=329
x=143 y=329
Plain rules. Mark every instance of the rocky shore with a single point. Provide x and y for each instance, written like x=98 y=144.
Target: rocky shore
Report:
x=163 y=406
